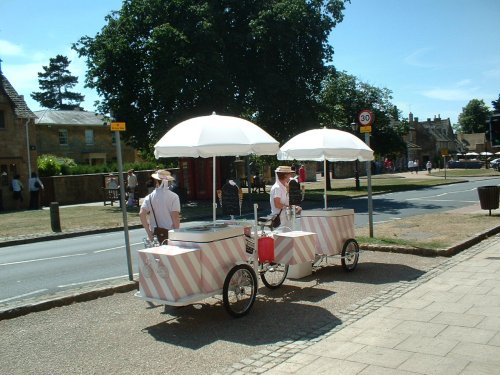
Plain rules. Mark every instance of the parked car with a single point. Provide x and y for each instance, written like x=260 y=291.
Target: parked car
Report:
x=495 y=164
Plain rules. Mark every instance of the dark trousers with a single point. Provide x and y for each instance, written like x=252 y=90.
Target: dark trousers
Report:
x=34 y=200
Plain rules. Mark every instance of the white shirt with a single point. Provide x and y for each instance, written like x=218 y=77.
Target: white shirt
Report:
x=17 y=185
x=132 y=181
x=164 y=202
x=278 y=190
x=32 y=186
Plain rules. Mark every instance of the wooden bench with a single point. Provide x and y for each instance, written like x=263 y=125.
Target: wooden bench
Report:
x=258 y=184
x=111 y=196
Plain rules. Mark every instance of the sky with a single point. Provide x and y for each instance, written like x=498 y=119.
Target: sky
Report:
x=434 y=55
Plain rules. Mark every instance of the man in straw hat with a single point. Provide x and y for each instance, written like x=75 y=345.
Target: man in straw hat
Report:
x=279 y=195
x=162 y=206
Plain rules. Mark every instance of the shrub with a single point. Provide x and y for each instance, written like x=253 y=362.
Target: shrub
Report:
x=48 y=165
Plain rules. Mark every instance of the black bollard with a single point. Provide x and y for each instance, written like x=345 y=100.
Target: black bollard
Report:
x=55 y=222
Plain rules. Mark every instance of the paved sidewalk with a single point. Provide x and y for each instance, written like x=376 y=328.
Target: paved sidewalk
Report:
x=445 y=322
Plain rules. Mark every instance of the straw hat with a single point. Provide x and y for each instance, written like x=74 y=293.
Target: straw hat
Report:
x=284 y=169
x=162 y=174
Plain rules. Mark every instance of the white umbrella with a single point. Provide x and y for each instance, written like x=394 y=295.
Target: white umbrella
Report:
x=486 y=153
x=214 y=135
x=325 y=144
x=471 y=154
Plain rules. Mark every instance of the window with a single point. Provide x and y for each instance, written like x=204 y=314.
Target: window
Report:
x=2 y=120
x=63 y=137
x=89 y=137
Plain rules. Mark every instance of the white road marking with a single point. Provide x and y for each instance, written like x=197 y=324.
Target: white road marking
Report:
x=42 y=259
x=388 y=221
x=96 y=281
x=23 y=295
x=116 y=248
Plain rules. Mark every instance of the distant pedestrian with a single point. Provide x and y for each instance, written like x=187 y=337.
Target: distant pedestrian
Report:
x=131 y=188
x=415 y=166
x=17 y=190
x=302 y=174
x=411 y=165
x=428 y=166
x=35 y=185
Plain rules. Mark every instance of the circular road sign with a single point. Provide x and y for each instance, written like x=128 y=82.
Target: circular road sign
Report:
x=365 y=117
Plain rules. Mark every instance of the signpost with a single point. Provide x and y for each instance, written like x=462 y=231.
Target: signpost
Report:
x=444 y=154
x=365 y=119
x=118 y=127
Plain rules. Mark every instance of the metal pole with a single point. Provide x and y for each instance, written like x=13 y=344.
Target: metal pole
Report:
x=28 y=147
x=123 y=204
x=324 y=192
x=445 y=166
x=369 y=185
x=214 y=202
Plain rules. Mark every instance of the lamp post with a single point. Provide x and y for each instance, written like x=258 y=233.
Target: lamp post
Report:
x=354 y=127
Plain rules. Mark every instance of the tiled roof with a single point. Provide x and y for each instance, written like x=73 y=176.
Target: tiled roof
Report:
x=20 y=107
x=72 y=118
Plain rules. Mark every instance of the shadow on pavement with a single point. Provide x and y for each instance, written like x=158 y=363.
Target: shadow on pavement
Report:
x=269 y=322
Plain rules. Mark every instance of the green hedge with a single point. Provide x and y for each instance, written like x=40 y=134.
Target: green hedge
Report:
x=51 y=165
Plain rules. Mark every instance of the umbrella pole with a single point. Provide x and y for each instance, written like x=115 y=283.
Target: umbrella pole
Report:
x=324 y=173
x=214 y=204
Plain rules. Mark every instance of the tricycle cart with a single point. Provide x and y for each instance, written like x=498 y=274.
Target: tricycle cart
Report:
x=335 y=229
x=207 y=260
x=198 y=263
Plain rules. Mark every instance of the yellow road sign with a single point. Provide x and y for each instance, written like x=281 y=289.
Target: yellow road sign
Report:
x=365 y=129
x=118 y=126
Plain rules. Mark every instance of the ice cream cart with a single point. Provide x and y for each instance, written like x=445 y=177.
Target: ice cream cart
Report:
x=335 y=229
x=217 y=258
x=198 y=263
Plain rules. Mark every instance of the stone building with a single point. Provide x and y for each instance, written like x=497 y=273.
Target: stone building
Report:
x=18 y=151
x=82 y=136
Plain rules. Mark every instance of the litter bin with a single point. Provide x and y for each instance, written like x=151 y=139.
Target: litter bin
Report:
x=488 y=197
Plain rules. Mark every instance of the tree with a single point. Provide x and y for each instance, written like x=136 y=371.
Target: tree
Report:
x=156 y=62
x=474 y=117
x=496 y=105
x=55 y=82
x=344 y=96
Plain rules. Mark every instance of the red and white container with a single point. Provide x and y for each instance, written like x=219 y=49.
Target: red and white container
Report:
x=333 y=226
x=294 y=247
x=169 y=273
x=221 y=247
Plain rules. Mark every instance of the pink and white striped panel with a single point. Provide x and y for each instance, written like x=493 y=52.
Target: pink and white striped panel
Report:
x=294 y=247
x=332 y=231
x=169 y=272
x=217 y=258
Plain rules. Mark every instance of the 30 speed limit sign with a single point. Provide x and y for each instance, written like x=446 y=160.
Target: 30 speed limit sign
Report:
x=365 y=117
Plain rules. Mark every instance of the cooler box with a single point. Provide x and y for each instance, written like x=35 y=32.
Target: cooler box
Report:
x=297 y=249
x=221 y=247
x=333 y=226
x=169 y=273
x=294 y=247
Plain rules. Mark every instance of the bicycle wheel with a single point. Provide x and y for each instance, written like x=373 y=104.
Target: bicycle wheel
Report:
x=350 y=255
x=240 y=290
x=274 y=275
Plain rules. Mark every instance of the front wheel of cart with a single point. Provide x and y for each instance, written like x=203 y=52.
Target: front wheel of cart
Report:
x=274 y=275
x=240 y=289
x=350 y=255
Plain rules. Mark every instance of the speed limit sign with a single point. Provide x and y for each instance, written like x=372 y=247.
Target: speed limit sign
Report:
x=365 y=117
